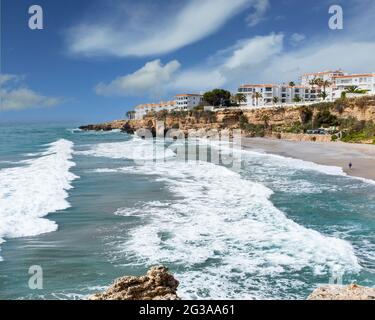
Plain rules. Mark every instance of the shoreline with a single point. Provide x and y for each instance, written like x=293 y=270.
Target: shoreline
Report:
x=337 y=154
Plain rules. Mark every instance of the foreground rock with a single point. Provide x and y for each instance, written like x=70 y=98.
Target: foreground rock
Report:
x=335 y=292
x=157 y=284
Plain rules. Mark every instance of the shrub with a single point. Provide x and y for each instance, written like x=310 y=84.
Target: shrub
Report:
x=325 y=119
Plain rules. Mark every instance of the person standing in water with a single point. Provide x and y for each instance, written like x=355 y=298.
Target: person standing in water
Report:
x=350 y=165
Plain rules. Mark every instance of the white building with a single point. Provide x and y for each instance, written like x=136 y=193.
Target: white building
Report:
x=187 y=101
x=183 y=102
x=260 y=95
x=142 y=109
x=324 y=75
x=364 y=81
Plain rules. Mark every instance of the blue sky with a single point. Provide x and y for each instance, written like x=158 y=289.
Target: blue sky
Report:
x=94 y=59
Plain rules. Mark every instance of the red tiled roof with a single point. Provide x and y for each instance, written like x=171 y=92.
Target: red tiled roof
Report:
x=357 y=75
x=322 y=72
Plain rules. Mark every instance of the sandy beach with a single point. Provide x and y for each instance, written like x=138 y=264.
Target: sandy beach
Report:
x=337 y=154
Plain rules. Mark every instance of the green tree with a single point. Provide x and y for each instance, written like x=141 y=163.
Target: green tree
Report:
x=257 y=96
x=355 y=89
x=323 y=95
x=292 y=84
x=239 y=97
x=266 y=119
x=217 y=97
x=323 y=84
x=130 y=114
x=275 y=100
x=297 y=99
x=326 y=119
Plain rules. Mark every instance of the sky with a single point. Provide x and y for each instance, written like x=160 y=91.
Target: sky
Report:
x=94 y=60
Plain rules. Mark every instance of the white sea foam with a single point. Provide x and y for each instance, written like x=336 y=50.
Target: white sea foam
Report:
x=285 y=162
x=224 y=234
x=30 y=192
x=221 y=217
x=135 y=149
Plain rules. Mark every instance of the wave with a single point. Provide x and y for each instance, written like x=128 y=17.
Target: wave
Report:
x=225 y=237
x=284 y=161
x=221 y=233
x=75 y=130
x=135 y=149
x=30 y=192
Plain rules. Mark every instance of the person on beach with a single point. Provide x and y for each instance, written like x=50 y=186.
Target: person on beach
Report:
x=350 y=165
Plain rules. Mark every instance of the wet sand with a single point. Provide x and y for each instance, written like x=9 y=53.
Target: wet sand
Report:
x=338 y=154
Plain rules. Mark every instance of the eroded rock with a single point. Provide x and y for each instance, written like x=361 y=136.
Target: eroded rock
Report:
x=336 y=292
x=157 y=284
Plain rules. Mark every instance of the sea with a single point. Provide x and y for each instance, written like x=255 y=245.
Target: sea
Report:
x=84 y=208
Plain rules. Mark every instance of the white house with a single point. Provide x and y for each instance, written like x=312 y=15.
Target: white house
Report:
x=364 y=81
x=324 y=75
x=142 y=109
x=187 y=101
x=260 y=95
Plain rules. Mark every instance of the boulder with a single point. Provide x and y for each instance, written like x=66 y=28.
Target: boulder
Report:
x=336 y=292
x=157 y=284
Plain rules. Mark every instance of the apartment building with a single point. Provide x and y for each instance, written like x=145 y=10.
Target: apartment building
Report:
x=324 y=75
x=187 y=101
x=363 y=81
x=142 y=109
x=260 y=95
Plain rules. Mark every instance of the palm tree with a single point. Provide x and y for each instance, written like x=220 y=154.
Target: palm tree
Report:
x=355 y=90
x=297 y=99
x=275 y=100
x=323 y=95
x=292 y=84
x=130 y=114
x=240 y=97
x=312 y=82
x=257 y=95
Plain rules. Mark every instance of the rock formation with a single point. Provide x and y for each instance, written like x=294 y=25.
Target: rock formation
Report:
x=336 y=292
x=280 y=118
x=157 y=284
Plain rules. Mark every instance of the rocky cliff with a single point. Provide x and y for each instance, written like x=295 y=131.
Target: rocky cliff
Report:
x=275 y=119
x=157 y=284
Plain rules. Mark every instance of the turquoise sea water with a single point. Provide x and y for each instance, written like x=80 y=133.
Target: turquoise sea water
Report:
x=92 y=206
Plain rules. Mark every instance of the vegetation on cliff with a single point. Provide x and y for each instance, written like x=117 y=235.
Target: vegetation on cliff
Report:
x=348 y=120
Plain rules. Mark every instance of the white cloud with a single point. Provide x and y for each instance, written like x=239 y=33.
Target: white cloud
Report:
x=265 y=59
x=260 y=8
x=15 y=97
x=233 y=65
x=297 y=38
x=254 y=50
x=8 y=77
x=143 y=33
x=150 y=79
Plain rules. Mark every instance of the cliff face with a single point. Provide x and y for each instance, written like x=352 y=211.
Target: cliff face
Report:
x=229 y=119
